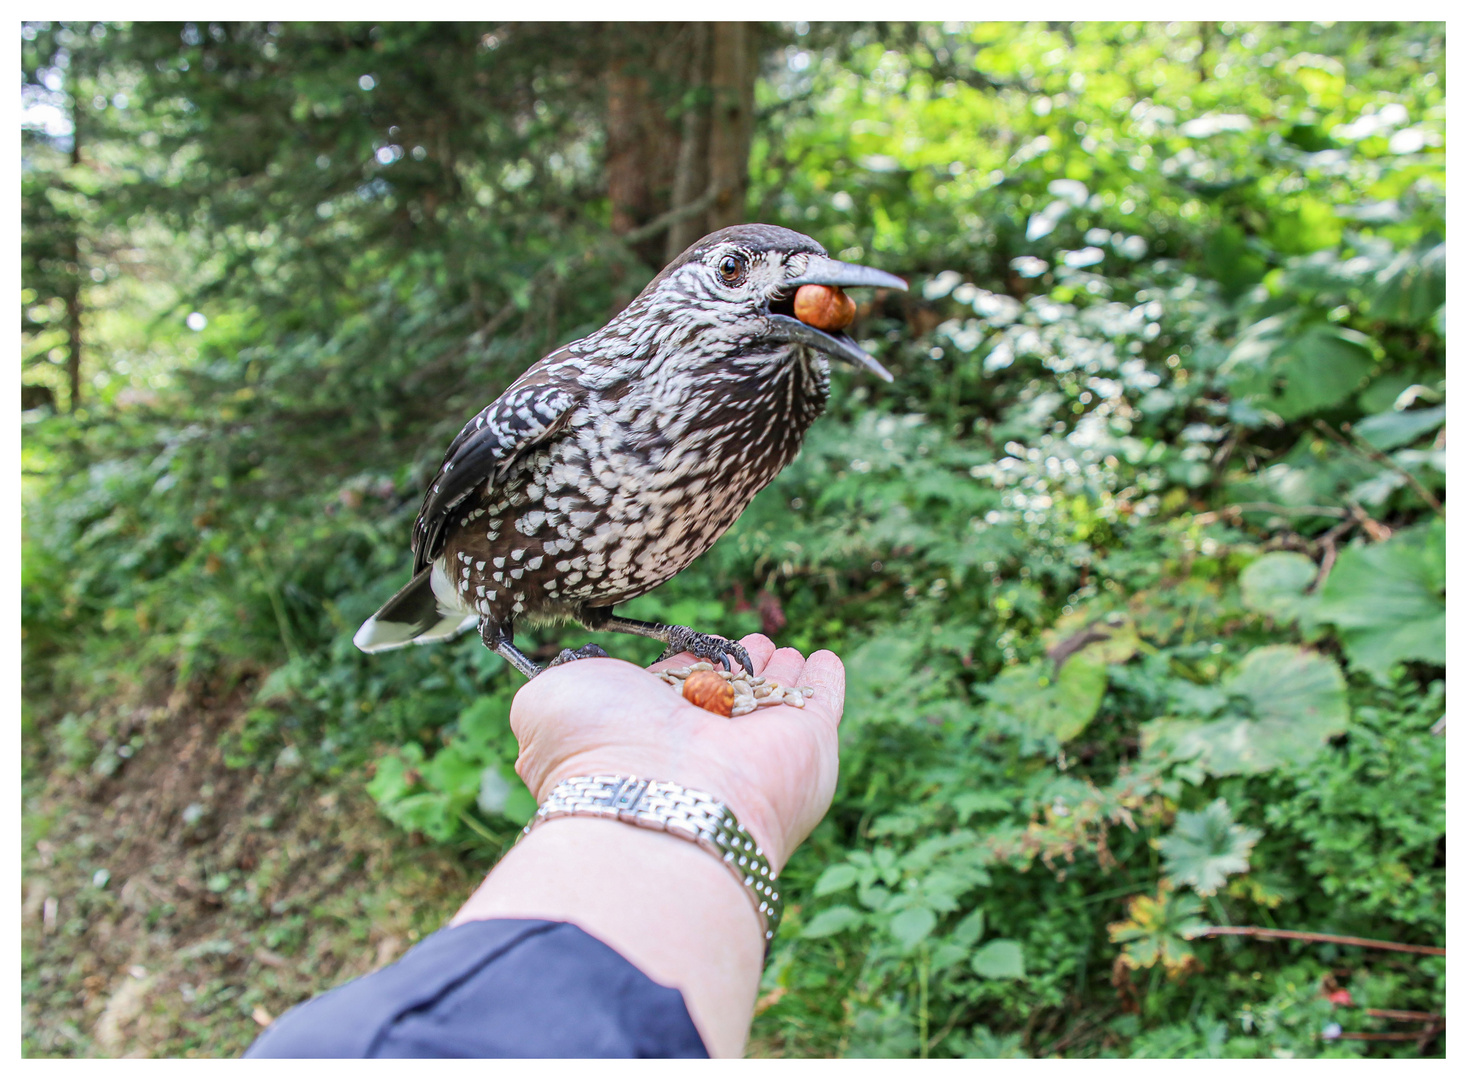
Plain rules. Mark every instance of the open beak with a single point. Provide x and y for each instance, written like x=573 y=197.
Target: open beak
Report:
x=823 y=271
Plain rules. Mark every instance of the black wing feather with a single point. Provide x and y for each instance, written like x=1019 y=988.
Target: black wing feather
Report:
x=522 y=418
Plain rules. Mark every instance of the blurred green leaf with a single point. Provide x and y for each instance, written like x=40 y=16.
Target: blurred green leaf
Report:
x=1059 y=696
x=1413 y=286
x=1388 y=430
x=1030 y=700
x=969 y=931
x=1283 y=701
x=1388 y=600
x=835 y=878
x=911 y=925
x=1276 y=584
x=1295 y=369
x=1205 y=847
x=1156 y=931
x=832 y=921
x=1000 y=959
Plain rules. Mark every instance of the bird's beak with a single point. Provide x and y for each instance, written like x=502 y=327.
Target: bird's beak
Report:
x=823 y=271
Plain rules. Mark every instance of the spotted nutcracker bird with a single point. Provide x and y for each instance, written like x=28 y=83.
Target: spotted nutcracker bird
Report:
x=618 y=459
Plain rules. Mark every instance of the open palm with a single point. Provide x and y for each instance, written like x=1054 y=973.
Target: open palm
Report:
x=774 y=767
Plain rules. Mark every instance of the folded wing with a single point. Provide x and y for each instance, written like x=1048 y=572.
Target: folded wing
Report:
x=524 y=418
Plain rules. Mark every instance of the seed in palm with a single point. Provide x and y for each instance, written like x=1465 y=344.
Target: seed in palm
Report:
x=750 y=692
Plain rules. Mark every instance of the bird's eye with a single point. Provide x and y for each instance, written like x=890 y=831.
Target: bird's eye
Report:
x=731 y=269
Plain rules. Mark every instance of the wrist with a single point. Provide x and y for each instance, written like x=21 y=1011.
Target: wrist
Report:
x=688 y=814
x=749 y=805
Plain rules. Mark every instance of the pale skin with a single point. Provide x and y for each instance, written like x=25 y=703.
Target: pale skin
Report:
x=665 y=904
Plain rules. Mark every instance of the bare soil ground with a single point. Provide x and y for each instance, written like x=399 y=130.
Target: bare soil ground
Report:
x=173 y=905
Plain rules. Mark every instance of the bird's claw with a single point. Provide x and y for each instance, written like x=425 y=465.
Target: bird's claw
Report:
x=588 y=651
x=710 y=647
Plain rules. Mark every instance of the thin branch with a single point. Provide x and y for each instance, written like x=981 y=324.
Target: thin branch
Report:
x=1327 y=545
x=1402 y=1014
x=671 y=217
x=1269 y=507
x=1083 y=1027
x=1385 y=1036
x=1358 y=446
x=1307 y=935
x=1297 y=511
x=947 y=1028
x=1374 y=529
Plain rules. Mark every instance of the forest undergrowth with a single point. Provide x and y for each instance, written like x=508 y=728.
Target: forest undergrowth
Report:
x=1138 y=569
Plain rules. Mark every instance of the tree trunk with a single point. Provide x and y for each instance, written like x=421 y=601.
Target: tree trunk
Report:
x=691 y=179
x=630 y=140
x=679 y=123
x=72 y=294
x=731 y=122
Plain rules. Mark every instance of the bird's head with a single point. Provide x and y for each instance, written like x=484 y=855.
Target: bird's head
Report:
x=735 y=291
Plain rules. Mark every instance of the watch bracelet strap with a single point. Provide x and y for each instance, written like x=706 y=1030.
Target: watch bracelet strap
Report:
x=683 y=812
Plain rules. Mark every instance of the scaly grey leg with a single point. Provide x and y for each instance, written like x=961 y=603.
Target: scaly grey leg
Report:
x=678 y=639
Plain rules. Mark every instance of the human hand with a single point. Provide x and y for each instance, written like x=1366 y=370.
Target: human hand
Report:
x=774 y=767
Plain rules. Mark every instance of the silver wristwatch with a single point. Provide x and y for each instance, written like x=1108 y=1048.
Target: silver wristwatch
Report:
x=667 y=807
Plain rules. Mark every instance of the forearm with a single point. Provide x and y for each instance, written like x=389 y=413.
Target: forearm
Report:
x=665 y=904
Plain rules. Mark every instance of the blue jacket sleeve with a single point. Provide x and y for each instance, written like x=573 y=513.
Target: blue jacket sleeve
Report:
x=493 y=988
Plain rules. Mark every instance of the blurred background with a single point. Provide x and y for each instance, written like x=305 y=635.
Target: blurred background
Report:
x=1138 y=567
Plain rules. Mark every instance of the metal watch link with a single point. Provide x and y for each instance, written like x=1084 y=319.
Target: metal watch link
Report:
x=683 y=812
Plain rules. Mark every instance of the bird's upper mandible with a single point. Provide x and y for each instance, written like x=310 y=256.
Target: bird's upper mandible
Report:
x=735 y=290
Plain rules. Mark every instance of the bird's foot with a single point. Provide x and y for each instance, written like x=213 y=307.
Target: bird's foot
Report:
x=710 y=647
x=588 y=651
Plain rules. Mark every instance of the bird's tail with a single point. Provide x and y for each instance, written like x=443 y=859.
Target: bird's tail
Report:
x=412 y=617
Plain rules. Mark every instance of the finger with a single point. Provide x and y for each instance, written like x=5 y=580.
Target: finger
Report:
x=758 y=646
x=760 y=649
x=826 y=675
x=784 y=667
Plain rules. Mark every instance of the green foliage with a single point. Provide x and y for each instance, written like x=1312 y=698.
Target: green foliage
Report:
x=999 y=959
x=1277 y=707
x=1158 y=931
x=1295 y=367
x=1142 y=616
x=1205 y=847
x=1388 y=600
x=1277 y=584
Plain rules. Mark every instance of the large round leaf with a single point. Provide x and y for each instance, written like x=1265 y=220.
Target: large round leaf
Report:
x=1388 y=600
x=1276 y=584
x=1283 y=701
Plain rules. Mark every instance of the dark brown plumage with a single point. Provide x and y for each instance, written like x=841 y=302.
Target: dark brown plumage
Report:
x=617 y=460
